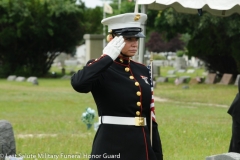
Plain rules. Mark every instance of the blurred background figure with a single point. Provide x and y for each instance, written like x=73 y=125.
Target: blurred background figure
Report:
x=234 y=111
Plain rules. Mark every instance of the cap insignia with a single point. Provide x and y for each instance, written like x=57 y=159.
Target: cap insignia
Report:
x=137 y=17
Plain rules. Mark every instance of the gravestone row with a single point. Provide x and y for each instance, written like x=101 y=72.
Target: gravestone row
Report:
x=211 y=78
x=33 y=80
x=225 y=80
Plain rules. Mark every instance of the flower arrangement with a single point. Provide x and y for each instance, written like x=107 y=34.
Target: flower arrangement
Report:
x=88 y=117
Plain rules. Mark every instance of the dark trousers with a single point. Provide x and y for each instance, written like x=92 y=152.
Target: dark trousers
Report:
x=235 y=140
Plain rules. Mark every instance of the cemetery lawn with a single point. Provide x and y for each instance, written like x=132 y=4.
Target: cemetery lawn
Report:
x=46 y=119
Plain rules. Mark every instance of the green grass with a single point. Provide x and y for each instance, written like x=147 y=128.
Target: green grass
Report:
x=200 y=93
x=192 y=132
x=52 y=108
x=193 y=123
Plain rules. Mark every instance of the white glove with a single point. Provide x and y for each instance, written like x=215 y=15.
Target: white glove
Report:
x=114 y=47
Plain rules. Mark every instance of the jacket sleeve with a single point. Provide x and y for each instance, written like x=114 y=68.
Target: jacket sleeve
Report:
x=83 y=80
x=156 y=141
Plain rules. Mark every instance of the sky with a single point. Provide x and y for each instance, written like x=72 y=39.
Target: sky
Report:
x=93 y=3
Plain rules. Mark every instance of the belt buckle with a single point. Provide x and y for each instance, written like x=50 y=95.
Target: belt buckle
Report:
x=139 y=121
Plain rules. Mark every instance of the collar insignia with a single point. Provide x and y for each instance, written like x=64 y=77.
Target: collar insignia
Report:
x=145 y=79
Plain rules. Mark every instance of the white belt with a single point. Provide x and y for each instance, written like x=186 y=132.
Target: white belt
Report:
x=135 y=121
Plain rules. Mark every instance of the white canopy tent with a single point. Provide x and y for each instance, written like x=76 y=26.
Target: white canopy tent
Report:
x=215 y=7
x=221 y=8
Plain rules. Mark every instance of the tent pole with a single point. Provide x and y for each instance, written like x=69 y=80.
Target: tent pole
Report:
x=142 y=40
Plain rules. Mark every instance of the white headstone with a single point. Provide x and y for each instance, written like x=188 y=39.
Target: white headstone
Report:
x=190 y=71
x=171 y=72
x=156 y=71
x=183 y=79
x=11 y=78
x=180 y=63
x=181 y=71
x=225 y=156
x=20 y=79
x=31 y=79
x=162 y=79
x=81 y=54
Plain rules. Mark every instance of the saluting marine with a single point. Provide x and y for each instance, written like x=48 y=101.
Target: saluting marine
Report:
x=122 y=92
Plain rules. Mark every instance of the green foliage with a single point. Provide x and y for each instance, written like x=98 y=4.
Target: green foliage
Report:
x=158 y=57
x=34 y=32
x=157 y=43
x=236 y=51
x=185 y=38
x=213 y=39
x=124 y=7
x=180 y=53
x=92 y=20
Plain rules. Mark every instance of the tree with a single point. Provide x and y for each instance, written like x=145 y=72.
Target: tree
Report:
x=157 y=43
x=92 y=20
x=214 y=40
x=34 y=32
x=125 y=7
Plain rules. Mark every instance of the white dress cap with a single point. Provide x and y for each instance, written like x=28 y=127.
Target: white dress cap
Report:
x=127 y=20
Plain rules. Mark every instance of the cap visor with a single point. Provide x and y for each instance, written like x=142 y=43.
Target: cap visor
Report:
x=133 y=34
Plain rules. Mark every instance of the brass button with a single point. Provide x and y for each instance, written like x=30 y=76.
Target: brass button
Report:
x=139 y=104
x=136 y=84
x=131 y=77
x=121 y=60
x=138 y=113
x=96 y=59
x=127 y=69
x=138 y=93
